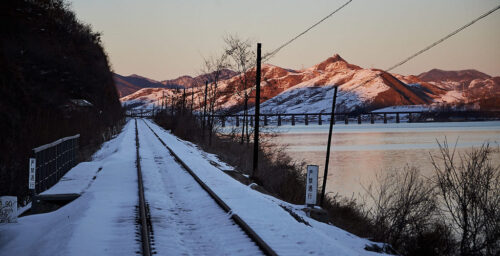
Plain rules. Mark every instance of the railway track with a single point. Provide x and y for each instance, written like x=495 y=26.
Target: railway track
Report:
x=143 y=216
x=227 y=216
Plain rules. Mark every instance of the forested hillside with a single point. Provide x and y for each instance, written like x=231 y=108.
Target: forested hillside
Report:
x=50 y=62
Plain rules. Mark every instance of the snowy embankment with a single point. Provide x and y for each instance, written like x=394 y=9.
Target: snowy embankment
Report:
x=100 y=222
x=265 y=214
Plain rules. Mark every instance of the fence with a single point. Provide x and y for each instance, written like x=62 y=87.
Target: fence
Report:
x=51 y=161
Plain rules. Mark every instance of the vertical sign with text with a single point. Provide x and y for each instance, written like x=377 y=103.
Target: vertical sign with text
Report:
x=31 y=181
x=311 y=184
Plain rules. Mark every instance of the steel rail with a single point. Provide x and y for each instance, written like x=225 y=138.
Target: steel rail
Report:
x=264 y=247
x=146 y=245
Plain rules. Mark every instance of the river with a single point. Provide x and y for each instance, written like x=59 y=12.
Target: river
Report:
x=360 y=152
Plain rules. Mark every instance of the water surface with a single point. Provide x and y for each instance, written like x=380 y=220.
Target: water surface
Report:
x=359 y=152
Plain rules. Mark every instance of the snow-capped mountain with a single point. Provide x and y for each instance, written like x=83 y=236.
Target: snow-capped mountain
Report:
x=126 y=85
x=189 y=81
x=310 y=90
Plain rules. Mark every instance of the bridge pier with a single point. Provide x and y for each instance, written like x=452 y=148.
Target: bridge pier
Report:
x=265 y=120
x=359 y=119
x=385 y=118
x=251 y=121
x=372 y=118
x=410 y=118
x=237 y=121
x=293 y=119
x=397 y=118
x=279 y=120
x=320 y=122
x=346 y=119
x=223 y=121
x=306 y=120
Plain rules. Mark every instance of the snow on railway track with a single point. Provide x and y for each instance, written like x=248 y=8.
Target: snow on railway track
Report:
x=185 y=219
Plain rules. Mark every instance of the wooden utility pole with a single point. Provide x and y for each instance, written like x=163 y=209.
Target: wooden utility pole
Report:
x=257 y=115
x=163 y=101
x=183 y=100
x=192 y=99
x=204 y=110
x=332 y=121
x=172 y=104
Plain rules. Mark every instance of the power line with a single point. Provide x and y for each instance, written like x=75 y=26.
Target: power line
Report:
x=271 y=54
x=431 y=45
x=444 y=38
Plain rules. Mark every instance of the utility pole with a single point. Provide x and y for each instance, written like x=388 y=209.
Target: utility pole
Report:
x=332 y=121
x=183 y=100
x=192 y=99
x=257 y=115
x=244 y=120
x=204 y=110
x=163 y=100
x=172 y=104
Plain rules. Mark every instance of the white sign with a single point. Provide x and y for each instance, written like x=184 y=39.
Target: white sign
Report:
x=31 y=181
x=311 y=184
x=8 y=209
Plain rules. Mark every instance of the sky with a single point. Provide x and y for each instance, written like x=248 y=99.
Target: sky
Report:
x=165 y=39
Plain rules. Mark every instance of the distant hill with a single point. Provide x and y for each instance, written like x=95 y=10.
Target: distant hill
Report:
x=438 y=75
x=127 y=85
x=188 y=81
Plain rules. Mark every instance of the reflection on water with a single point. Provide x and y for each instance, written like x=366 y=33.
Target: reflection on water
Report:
x=360 y=151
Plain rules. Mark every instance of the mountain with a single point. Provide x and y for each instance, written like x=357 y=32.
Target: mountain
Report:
x=469 y=86
x=438 y=75
x=129 y=84
x=188 y=81
x=311 y=89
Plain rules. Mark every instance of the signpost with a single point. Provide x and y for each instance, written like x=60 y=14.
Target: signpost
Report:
x=32 y=175
x=311 y=185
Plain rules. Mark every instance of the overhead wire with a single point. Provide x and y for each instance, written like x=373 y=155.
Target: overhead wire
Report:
x=430 y=46
x=275 y=51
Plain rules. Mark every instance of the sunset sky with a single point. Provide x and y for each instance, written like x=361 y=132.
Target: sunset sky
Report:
x=164 y=39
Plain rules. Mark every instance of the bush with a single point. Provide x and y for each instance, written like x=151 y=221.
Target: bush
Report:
x=469 y=190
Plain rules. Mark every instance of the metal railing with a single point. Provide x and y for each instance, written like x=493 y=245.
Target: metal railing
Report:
x=51 y=162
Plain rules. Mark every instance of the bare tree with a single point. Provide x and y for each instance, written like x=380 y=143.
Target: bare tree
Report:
x=242 y=58
x=403 y=205
x=213 y=67
x=469 y=189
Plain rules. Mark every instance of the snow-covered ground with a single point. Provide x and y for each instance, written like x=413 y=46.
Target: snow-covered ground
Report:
x=186 y=221
x=264 y=213
x=102 y=220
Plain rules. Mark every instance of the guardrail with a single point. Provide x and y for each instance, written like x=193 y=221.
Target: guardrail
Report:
x=50 y=162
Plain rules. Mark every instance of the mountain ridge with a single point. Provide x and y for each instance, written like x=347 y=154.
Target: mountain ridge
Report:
x=309 y=89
